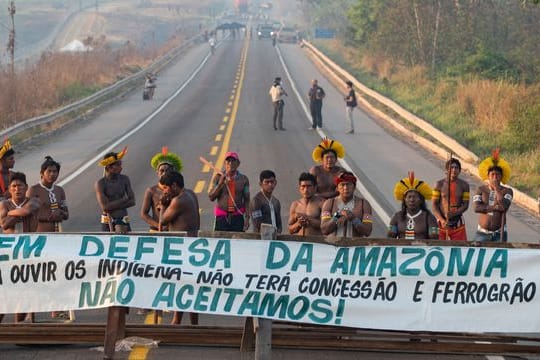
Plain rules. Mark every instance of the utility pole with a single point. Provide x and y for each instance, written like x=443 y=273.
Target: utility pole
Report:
x=11 y=51
x=11 y=38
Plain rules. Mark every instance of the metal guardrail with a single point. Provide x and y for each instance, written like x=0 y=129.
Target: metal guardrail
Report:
x=469 y=159
x=101 y=94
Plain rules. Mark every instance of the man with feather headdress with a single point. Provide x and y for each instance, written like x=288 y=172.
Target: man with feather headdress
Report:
x=492 y=199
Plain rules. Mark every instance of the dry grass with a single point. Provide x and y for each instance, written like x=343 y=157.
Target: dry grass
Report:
x=60 y=78
x=492 y=104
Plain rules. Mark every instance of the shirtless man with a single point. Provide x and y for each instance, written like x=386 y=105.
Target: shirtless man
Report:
x=180 y=205
x=305 y=213
x=492 y=200
x=180 y=213
x=162 y=163
x=231 y=190
x=449 y=203
x=327 y=153
x=114 y=194
x=7 y=162
x=18 y=214
x=52 y=198
x=346 y=215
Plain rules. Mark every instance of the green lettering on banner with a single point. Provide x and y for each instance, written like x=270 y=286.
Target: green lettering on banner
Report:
x=91 y=246
x=202 y=298
x=388 y=261
x=114 y=247
x=278 y=255
x=269 y=305
x=304 y=257
x=203 y=256
x=92 y=295
x=165 y=294
x=232 y=294
x=250 y=303
x=142 y=249
x=169 y=252
x=322 y=311
x=23 y=247
x=499 y=260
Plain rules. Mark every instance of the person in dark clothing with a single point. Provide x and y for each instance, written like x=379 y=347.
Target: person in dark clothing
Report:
x=316 y=95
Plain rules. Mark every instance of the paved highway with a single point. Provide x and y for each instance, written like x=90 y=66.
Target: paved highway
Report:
x=204 y=106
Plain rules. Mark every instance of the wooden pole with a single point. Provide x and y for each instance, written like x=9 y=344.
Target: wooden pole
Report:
x=263 y=337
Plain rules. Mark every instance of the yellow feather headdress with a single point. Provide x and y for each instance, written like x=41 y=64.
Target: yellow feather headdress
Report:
x=411 y=183
x=166 y=157
x=491 y=161
x=113 y=158
x=5 y=149
x=326 y=145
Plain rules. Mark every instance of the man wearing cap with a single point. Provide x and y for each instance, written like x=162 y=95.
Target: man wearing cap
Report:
x=7 y=162
x=492 y=200
x=327 y=153
x=114 y=194
x=346 y=215
x=276 y=94
x=231 y=190
x=162 y=163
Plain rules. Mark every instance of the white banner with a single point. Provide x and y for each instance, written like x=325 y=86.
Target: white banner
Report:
x=461 y=289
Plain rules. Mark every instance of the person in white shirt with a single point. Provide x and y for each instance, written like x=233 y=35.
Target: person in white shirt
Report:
x=276 y=94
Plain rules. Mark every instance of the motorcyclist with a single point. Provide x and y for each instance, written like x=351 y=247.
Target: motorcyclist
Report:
x=149 y=86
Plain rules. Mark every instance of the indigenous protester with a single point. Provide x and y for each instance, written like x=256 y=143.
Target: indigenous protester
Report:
x=231 y=190
x=350 y=104
x=18 y=214
x=492 y=200
x=53 y=205
x=162 y=163
x=179 y=212
x=316 y=95
x=265 y=207
x=327 y=153
x=414 y=220
x=450 y=199
x=114 y=194
x=276 y=94
x=7 y=162
x=305 y=213
x=346 y=215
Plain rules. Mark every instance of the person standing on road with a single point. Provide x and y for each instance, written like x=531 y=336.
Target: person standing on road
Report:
x=414 y=220
x=114 y=194
x=350 y=104
x=265 y=207
x=7 y=162
x=492 y=200
x=305 y=213
x=346 y=215
x=179 y=208
x=276 y=94
x=230 y=189
x=327 y=153
x=316 y=95
x=162 y=163
x=449 y=201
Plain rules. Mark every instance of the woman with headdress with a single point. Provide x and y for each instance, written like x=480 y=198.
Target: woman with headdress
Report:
x=162 y=162
x=414 y=220
x=492 y=199
x=327 y=153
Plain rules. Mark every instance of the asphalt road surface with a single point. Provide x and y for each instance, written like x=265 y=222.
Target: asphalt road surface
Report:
x=204 y=106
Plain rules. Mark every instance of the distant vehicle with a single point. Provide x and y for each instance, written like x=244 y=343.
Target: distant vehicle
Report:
x=265 y=31
x=287 y=35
